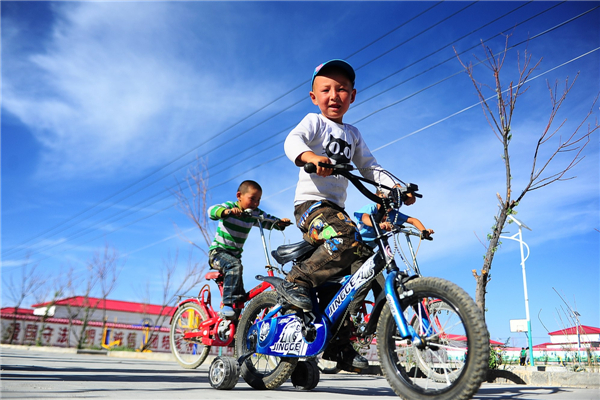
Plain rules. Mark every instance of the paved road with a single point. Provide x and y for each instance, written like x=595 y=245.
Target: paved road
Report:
x=43 y=375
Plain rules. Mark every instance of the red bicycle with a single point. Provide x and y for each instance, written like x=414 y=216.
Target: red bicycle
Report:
x=196 y=326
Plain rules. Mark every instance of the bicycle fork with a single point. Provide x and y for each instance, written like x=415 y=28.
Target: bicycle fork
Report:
x=393 y=298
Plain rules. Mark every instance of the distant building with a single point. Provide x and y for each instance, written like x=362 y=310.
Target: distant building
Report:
x=589 y=337
x=124 y=312
x=59 y=323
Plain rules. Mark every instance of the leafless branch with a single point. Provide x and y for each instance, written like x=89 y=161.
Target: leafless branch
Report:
x=174 y=283
x=500 y=120
x=30 y=282
x=191 y=196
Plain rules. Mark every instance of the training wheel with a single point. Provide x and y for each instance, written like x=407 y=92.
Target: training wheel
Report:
x=224 y=373
x=306 y=375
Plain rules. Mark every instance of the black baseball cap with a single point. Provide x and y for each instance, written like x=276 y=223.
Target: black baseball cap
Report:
x=335 y=63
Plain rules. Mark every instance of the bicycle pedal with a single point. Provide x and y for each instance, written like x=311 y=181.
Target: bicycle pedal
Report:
x=227 y=317
x=348 y=367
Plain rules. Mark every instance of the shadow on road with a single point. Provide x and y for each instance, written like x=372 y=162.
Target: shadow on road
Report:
x=36 y=373
x=512 y=392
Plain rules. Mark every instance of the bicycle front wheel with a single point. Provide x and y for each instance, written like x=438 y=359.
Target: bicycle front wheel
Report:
x=450 y=363
x=189 y=353
x=261 y=371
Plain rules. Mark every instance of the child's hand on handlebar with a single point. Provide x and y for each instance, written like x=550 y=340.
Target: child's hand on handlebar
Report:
x=283 y=223
x=410 y=199
x=426 y=234
x=386 y=226
x=233 y=211
x=310 y=157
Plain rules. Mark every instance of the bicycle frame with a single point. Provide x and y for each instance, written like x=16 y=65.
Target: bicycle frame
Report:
x=280 y=335
x=283 y=335
x=207 y=331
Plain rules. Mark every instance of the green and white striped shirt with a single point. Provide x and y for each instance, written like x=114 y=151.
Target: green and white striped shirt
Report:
x=233 y=230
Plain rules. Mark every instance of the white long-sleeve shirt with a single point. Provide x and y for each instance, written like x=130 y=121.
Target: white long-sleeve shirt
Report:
x=342 y=143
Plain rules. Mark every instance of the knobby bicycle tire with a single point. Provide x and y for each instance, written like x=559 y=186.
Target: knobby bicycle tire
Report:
x=189 y=353
x=434 y=370
x=260 y=371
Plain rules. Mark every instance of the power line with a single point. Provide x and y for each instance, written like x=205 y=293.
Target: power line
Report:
x=80 y=231
x=65 y=224
x=353 y=123
x=10 y=251
x=419 y=34
x=375 y=150
x=450 y=44
x=461 y=71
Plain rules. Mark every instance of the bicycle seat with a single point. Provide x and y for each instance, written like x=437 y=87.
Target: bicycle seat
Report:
x=213 y=275
x=288 y=252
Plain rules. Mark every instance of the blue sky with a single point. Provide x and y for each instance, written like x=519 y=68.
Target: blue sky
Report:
x=105 y=105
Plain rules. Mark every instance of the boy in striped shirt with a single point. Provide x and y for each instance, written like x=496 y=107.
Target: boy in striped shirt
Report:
x=225 y=252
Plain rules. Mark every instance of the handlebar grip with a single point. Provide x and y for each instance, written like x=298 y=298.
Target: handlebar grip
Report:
x=426 y=235
x=310 y=168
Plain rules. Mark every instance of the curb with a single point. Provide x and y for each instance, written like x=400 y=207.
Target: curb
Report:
x=94 y=352
x=47 y=349
x=552 y=376
x=557 y=377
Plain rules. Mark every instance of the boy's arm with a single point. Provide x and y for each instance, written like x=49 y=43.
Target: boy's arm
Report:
x=417 y=224
x=297 y=145
x=280 y=225
x=220 y=211
x=366 y=219
x=364 y=214
x=299 y=139
x=310 y=157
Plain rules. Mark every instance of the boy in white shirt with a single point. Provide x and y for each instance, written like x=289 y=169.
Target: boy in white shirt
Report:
x=320 y=198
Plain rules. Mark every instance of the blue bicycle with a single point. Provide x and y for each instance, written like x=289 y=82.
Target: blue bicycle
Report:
x=432 y=341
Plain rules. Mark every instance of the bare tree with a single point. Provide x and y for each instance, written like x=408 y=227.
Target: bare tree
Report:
x=72 y=287
x=173 y=283
x=30 y=282
x=107 y=266
x=499 y=114
x=54 y=291
x=85 y=312
x=191 y=196
x=103 y=270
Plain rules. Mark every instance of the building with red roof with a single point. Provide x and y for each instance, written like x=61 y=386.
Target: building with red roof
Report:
x=19 y=311
x=62 y=323
x=124 y=312
x=569 y=338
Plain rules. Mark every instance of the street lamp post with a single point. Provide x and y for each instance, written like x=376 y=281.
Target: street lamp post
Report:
x=519 y=238
x=578 y=324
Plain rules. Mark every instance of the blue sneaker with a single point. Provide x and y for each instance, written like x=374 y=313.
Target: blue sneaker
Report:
x=227 y=312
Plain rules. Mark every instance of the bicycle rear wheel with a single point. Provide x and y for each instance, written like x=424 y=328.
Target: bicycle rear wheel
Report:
x=451 y=361
x=189 y=353
x=439 y=313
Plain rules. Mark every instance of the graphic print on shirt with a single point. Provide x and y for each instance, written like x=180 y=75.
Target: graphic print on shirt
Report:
x=337 y=149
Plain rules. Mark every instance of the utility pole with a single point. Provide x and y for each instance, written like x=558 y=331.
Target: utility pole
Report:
x=519 y=238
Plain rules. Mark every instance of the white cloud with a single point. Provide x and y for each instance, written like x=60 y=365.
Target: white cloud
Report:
x=111 y=84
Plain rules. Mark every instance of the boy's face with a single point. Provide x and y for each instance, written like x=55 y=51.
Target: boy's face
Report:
x=250 y=199
x=333 y=93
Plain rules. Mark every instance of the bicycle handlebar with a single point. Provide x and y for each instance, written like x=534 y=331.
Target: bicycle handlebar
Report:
x=344 y=170
x=248 y=214
x=414 y=232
